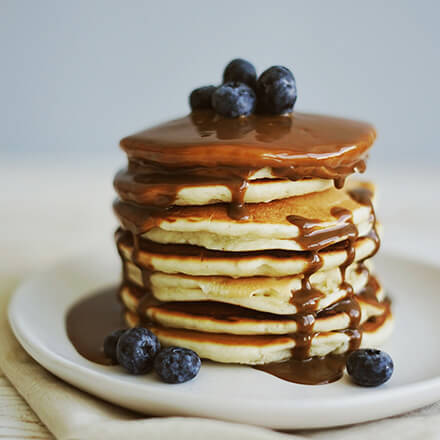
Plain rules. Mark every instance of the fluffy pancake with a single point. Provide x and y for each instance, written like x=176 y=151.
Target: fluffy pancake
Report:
x=251 y=239
x=262 y=349
x=305 y=222
x=267 y=294
x=263 y=186
x=194 y=260
x=214 y=317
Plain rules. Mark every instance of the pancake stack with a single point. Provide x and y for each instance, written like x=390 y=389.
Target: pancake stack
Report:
x=243 y=240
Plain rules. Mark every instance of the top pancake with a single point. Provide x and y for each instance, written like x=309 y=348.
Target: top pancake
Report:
x=310 y=145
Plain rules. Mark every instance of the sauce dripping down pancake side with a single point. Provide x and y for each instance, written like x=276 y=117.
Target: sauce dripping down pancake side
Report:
x=331 y=367
x=307 y=299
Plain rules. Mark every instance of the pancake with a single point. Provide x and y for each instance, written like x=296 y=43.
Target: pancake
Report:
x=247 y=241
x=194 y=260
x=146 y=187
x=268 y=294
x=305 y=222
x=263 y=349
x=214 y=317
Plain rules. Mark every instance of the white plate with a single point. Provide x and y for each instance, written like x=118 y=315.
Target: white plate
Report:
x=239 y=393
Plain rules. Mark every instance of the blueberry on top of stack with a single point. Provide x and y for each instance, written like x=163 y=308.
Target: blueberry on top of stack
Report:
x=241 y=93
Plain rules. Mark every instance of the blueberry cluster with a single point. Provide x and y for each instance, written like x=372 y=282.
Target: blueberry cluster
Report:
x=138 y=351
x=274 y=92
x=369 y=367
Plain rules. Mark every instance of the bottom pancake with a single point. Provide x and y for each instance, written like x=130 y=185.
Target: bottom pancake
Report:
x=263 y=349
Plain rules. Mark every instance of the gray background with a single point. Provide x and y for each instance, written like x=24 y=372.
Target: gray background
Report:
x=76 y=76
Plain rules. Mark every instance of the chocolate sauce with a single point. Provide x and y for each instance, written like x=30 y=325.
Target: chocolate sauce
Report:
x=363 y=196
x=377 y=321
x=326 y=146
x=370 y=290
x=349 y=306
x=311 y=371
x=150 y=185
x=90 y=320
x=307 y=298
x=137 y=218
x=311 y=237
x=355 y=335
x=346 y=217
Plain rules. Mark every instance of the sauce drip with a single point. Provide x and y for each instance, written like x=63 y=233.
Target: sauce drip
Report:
x=307 y=299
x=363 y=196
x=352 y=234
x=312 y=371
x=150 y=185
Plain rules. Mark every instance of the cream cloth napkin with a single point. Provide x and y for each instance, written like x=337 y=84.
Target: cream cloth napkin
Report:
x=72 y=414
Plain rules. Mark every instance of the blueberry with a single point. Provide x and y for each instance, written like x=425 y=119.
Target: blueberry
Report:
x=276 y=91
x=110 y=344
x=240 y=70
x=177 y=364
x=369 y=367
x=201 y=98
x=234 y=99
x=136 y=350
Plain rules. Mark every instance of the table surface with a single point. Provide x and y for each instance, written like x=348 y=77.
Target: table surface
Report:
x=17 y=420
x=408 y=209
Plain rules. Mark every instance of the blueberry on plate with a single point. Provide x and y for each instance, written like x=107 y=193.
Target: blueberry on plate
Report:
x=201 y=98
x=234 y=99
x=177 y=364
x=276 y=91
x=136 y=350
x=369 y=367
x=240 y=70
x=110 y=343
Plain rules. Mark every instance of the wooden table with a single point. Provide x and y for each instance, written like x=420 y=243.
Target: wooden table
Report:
x=17 y=420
